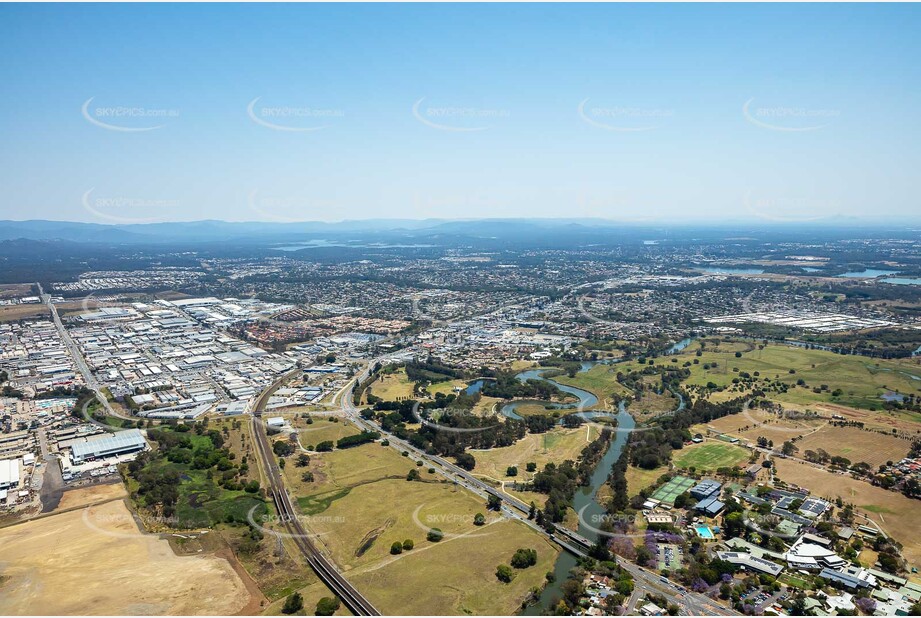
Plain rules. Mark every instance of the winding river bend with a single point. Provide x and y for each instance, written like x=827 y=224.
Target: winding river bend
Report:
x=585 y=496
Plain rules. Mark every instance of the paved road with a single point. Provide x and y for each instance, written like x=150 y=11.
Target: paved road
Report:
x=77 y=356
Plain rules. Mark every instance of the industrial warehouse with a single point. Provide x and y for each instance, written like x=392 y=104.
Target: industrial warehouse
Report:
x=97 y=447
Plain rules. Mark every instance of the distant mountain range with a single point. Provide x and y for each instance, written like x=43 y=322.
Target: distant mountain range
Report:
x=392 y=229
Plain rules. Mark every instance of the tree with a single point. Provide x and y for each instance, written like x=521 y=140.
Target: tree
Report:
x=293 y=604
x=434 y=535
x=493 y=502
x=408 y=544
x=479 y=519
x=531 y=466
x=327 y=606
x=511 y=471
x=524 y=558
x=252 y=487
x=504 y=573
x=466 y=461
x=413 y=475
x=302 y=460
x=396 y=548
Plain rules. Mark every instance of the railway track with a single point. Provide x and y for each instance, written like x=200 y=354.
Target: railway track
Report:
x=322 y=566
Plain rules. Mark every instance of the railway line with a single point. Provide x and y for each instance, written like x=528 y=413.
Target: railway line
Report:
x=322 y=566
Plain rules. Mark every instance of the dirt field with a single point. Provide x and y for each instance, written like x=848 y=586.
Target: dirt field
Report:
x=95 y=561
x=91 y=495
x=893 y=512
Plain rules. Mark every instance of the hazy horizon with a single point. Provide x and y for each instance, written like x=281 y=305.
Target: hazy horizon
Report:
x=292 y=113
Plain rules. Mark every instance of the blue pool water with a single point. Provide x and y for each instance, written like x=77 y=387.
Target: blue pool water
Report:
x=704 y=532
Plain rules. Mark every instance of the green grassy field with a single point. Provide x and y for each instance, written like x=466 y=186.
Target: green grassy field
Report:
x=601 y=380
x=710 y=456
x=861 y=380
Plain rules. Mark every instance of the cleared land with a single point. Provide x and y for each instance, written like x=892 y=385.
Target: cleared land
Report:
x=893 y=512
x=74 y=498
x=710 y=456
x=15 y=290
x=95 y=561
x=12 y=313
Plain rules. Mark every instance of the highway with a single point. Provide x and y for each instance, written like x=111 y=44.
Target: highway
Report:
x=322 y=566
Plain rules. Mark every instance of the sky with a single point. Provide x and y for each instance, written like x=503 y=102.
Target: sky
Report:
x=141 y=113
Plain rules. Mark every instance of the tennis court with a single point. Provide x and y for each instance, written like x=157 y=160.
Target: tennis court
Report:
x=672 y=489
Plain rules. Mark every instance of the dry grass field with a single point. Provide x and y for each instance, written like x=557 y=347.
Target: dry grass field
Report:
x=556 y=445
x=360 y=503
x=893 y=512
x=95 y=561
x=392 y=386
x=856 y=444
x=457 y=575
x=12 y=313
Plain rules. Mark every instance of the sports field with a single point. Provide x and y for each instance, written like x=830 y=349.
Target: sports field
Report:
x=708 y=456
x=672 y=489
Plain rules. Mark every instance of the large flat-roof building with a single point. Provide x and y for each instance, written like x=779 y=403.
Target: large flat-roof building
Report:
x=9 y=473
x=705 y=489
x=118 y=443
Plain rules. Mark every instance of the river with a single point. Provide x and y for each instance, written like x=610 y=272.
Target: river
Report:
x=584 y=496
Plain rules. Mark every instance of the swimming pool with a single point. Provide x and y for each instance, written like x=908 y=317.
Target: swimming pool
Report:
x=704 y=532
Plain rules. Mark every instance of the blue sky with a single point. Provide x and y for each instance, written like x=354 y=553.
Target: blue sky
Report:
x=634 y=112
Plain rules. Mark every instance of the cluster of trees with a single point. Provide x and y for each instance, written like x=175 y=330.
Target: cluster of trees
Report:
x=560 y=481
x=361 y=438
x=159 y=473
x=507 y=386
